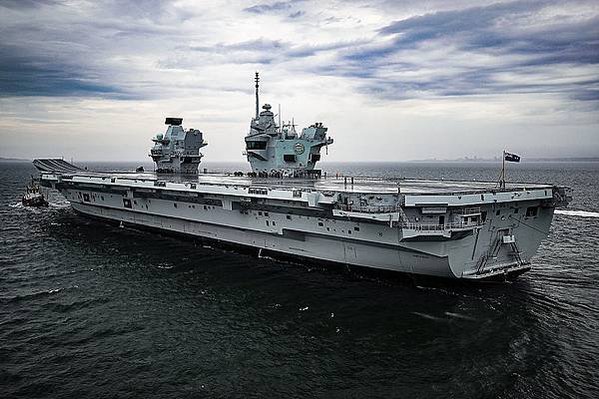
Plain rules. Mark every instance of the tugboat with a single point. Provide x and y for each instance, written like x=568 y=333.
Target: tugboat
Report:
x=33 y=196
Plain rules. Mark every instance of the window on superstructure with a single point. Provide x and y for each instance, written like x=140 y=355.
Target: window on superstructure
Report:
x=532 y=211
x=256 y=145
x=175 y=204
x=288 y=217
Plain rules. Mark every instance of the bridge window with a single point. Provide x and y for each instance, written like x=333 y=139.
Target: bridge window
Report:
x=126 y=202
x=532 y=211
x=256 y=145
x=289 y=158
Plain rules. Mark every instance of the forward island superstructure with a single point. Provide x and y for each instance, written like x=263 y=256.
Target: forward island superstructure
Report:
x=453 y=229
x=178 y=150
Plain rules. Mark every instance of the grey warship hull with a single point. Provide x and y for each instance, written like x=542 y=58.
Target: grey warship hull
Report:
x=458 y=230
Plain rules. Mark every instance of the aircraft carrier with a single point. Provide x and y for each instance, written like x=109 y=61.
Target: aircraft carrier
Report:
x=450 y=229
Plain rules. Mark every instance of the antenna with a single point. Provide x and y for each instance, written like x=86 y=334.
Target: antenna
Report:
x=280 y=127
x=257 y=79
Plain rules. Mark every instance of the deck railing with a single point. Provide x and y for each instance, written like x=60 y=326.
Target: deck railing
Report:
x=439 y=227
x=370 y=208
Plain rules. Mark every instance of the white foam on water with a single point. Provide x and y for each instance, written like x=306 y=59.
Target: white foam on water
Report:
x=583 y=214
x=460 y=316
x=428 y=316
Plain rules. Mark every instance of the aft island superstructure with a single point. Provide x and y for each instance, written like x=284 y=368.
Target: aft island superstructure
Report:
x=453 y=229
x=278 y=150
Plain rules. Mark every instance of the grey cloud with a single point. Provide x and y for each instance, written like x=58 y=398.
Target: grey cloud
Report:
x=27 y=4
x=276 y=6
x=33 y=75
x=266 y=51
x=498 y=30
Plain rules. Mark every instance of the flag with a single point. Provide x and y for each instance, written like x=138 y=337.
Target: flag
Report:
x=511 y=157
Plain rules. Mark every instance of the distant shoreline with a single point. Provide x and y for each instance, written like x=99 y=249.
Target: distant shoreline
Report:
x=524 y=160
x=2 y=159
x=459 y=160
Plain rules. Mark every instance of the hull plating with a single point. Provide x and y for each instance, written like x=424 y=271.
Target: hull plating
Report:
x=479 y=254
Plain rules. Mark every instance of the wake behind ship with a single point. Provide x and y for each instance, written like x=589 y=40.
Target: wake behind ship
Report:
x=452 y=229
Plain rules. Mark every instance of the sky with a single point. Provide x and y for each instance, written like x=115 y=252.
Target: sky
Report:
x=392 y=80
